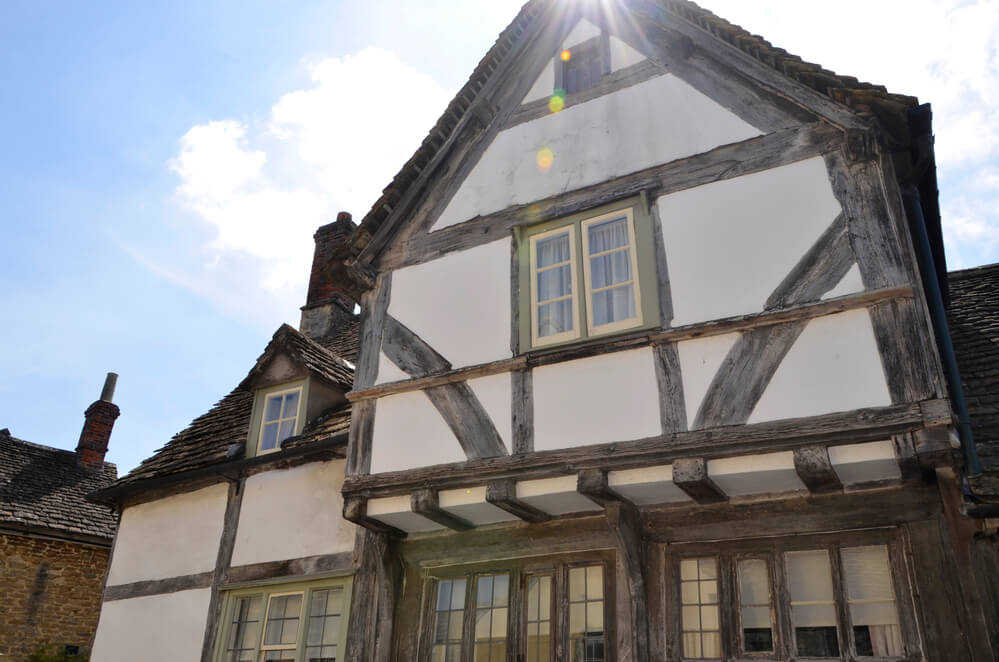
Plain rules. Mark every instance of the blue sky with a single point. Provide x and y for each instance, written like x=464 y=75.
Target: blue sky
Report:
x=164 y=164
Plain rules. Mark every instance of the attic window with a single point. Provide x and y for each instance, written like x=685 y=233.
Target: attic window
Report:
x=280 y=418
x=583 y=66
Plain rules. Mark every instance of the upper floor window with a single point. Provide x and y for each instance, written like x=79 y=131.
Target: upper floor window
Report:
x=281 y=413
x=583 y=66
x=585 y=276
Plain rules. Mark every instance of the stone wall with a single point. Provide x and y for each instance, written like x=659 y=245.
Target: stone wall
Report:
x=51 y=594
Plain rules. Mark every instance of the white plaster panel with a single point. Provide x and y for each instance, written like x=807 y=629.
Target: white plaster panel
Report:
x=495 y=395
x=293 y=513
x=555 y=496
x=543 y=86
x=582 y=31
x=409 y=433
x=769 y=473
x=865 y=463
x=622 y=55
x=654 y=122
x=470 y=504
x=396 y=511
x=699 y=361
x=459 y=304
x=850 y=283
x=611 y=397
x=178 y=535
x=730 y=243
x=155 y=628
x=647 y=485
x=388 y=371
x=833 y=366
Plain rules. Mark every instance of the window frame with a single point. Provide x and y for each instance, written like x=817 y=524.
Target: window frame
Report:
x=260 y=408
x=645 y=276
x=730 y=553
x=268 y=591
x=599 y=46
x=519 y=571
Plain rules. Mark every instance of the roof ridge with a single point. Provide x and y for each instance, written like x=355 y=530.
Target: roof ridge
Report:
x=973 y=271
x=44 y=447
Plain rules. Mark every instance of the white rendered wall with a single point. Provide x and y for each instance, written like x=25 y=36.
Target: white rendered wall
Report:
x=622 y=55
x=178 y=535
x=648 y=124
x=459 y=304
x=544 y=86
x=156 y=628
x=293 y=513
x=612 y=397
x=850 y=283
x=699 y=361
x=388 y=371
x=833 y=366
x=410 y=433
x=729 y=244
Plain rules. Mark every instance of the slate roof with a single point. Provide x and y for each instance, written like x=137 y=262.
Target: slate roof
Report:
x=890 y=109
x=220 y=434
x=44 y=487
x=974 y=325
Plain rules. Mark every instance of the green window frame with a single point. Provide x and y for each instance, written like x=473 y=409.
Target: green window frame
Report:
x=292 y=622
x=258 y=425
x=574 y=286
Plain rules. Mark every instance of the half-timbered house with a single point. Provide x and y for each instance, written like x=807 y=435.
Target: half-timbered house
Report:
x=654 y=363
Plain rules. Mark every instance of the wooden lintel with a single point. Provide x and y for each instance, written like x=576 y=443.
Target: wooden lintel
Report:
x=355 y=509
x=691 y=476
x=717 y=327
x=592 y=483
x=158 y=586
x=503 y=495
x=816 y=470
x=426 y=503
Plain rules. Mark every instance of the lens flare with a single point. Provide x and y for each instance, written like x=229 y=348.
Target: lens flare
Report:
x=545 y=159
x=556 y=103
x=566 y=55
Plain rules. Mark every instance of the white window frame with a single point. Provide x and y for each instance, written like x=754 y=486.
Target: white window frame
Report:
x=263 y=413
x=302 y=618
x=632 y=248
x=540 y=341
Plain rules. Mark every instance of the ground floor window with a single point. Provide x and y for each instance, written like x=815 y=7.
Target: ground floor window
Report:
x=774 y=600
x=303 y=622
x=532 y=608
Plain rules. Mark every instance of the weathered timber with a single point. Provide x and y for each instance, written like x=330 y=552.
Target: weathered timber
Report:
x=753 y=360
x=227 y=542
x=158 y=586
x=503 y=494
x=662 y=266
x=905 y=455
x=623 y=342
x=426 y=503
x=374 y=307
x=873 y=424
x=362 y=428
x=672 y=412
x=522 y=411
x=305 y=566
x=372 y=605
x=626 y=525
x=356 y=510
x=409 y=352
x=592 y=483
x=515 y=303
x=816 y=470
x=691 y=476
x=725 y=162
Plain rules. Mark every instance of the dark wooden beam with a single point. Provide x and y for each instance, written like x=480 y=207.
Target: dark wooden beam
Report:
x=158 y=586
x=503 y=494
x=522 y=411
x=356 y=510
x=305 y=566
x=373 y=601
x=626 y=525
x=691 y=476
x=816 y=470
x=592 y=483
x=672 y=411
x=230 y=521
x=426 y=503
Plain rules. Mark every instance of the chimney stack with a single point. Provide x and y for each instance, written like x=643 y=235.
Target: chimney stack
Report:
x=99 y=419
x=328 y=303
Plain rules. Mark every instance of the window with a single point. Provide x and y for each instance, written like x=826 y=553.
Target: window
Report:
x=838 y=602
x=473 y=622
x=278 y=414
x=584 y=276
x=300 y=623
x=583 y=66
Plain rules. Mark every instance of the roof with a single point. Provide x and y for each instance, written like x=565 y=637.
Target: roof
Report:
x=974 y=326
x=890 y=109
x=45 y=488
x=219 y=435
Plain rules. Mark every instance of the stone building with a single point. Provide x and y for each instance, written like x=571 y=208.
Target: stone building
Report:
x=54 y=544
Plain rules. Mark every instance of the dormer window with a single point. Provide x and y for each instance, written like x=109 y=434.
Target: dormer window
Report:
x=279 y=417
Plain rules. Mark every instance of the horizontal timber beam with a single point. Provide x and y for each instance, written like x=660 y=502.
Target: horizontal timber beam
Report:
x=427 y=504
x=158 y=586
x=717 y=327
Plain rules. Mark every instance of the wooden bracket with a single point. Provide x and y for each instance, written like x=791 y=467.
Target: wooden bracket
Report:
x=592 y=483
x=503 y=494
x=816 y=470
x=426 y=503
x=691 y=476
x=355 y=509
x=861 y=145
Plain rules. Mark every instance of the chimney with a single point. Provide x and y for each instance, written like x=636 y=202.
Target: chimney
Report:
x=99 y=419
x=328 y=303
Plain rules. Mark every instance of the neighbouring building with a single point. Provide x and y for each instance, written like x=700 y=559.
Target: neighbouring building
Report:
x=54 y=544
x=653 y=363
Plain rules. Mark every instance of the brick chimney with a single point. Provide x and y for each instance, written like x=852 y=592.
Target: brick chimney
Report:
x=99 y=419
x=328 y=303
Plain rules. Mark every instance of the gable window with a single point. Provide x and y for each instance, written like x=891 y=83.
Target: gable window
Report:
x=279 y=416
x=583 y=66
x=584 y=276
x=834 y=602
x=297 y=623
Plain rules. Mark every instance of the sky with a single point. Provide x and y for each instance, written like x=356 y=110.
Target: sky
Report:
x=164 y=164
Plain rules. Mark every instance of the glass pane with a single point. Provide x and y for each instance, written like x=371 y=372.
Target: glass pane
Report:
x=290 y=405
x=272 y=408
x=605 y=235
x=455 y=625
x=577 y=618
x=688 y=569
x=816 y=642
x=484 y=592
x=692 y=644
x=691 y=618
x=709 y=618
x=244 y=633
x=813 y=615
x=269 y=438
x=286 y=655
x=754 y=582
x=595 y=583
x=610 y=269
x=755 y=611
x=577 y=584
x=757 y=640
x=809 y=576
x=700 y=612
x=483 y=621
x=501 y=590
x=709 y=592
x=707 y=568
x=554 y=318
x=320 y=654
x=711 y=644
x=287 y=430
x=595 y=617
x=878 y=640
x=613 y=305
x=755 y=617
x=458 y=594
x=444 y=595
x=533 y=597
x=552 y=250
x=538 y=624
x=554 y=283
x=689 y=593
x=499 y=623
